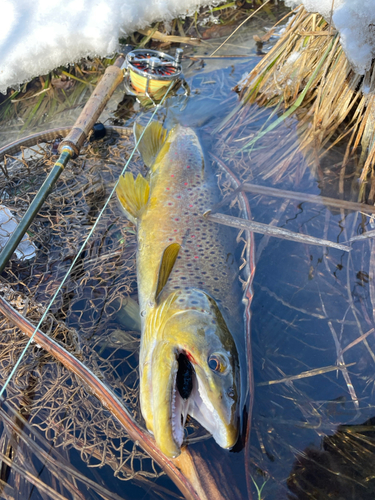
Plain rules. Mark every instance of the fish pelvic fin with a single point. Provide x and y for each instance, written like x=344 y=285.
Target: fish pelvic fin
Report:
x=133 y=195
x=166 y=265
x=152 y=141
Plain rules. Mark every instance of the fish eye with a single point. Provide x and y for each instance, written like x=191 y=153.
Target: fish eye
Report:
x=217 y=363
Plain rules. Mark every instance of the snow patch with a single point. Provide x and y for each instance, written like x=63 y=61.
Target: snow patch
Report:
x=355 y=21
x=38 y=36
x=321 y=6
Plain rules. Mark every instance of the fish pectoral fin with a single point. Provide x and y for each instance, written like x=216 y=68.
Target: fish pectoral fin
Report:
x=166 y=265
x=133 y=195
x=152 y=141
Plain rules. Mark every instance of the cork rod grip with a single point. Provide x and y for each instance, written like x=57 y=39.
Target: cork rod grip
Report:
x=112 y=77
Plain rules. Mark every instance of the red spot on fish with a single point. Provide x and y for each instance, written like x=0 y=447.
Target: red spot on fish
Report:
x=196 y=257
x=188 y=166
x=190 y=357
x=177 y=219
x=167 y=189
x=186 y=183
x=175 y=230
x=172 y=175
x=178 y=196
x=169 y=204
x=193 y=236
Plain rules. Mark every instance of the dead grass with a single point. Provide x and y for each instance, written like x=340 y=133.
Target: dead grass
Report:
x=307 y=76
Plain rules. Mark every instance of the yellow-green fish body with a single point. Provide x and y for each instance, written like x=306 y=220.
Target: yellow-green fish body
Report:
x=188 y=291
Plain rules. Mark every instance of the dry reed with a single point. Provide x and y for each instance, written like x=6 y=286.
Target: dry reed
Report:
x=307 y=75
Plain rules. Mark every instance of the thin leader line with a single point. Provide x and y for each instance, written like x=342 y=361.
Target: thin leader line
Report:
x=81 y=248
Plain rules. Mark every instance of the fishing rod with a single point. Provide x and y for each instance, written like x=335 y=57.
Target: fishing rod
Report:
x=69 y=148
x=148 y=74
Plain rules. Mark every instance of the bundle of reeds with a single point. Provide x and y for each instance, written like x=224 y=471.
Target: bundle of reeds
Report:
x=307 y=74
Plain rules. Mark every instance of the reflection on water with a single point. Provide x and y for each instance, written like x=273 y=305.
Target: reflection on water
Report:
x=312 y=437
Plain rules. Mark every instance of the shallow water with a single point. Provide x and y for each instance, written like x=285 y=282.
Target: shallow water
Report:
x=310 y=303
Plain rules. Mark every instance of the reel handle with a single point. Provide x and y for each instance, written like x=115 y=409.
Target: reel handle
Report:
x=112 y=77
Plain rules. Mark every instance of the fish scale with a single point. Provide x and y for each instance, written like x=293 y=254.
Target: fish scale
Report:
x=182 y=189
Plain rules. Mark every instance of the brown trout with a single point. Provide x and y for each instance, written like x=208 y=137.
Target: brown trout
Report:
x=189 y=292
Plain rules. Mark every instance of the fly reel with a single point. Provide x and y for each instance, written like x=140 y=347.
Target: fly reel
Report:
x=149 y=73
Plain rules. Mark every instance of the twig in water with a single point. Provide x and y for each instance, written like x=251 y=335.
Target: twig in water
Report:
x=31 y=96
x=157 y=35
x=308 y=198
x=298 y=196
x=264 y=242
x=278 y=232
x=309 y=373
x=364 y=236
x=340 y=358
x=354 y=310
x=238 y=27
x=357 y=341
x=341 y=365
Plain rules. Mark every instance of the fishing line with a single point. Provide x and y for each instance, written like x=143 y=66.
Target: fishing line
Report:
x=81 y=248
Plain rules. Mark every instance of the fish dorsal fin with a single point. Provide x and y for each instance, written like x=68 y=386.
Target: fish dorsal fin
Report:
x=166 y=265
x=151 y=142
x=133 y=195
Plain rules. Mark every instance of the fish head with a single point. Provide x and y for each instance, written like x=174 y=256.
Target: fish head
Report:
x=191 y=367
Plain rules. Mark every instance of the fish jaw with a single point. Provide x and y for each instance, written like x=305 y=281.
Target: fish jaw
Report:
x=213 y=401
x=219 y=417
x=164 y=419
x=163 y=409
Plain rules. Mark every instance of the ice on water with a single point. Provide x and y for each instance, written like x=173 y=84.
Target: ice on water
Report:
x=37 y=36
x=355 y=21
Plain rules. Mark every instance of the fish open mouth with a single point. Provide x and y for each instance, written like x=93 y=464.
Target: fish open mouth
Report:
x=182 y=389
x=189 y=396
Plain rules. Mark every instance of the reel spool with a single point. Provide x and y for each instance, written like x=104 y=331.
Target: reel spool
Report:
x=148 y=71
